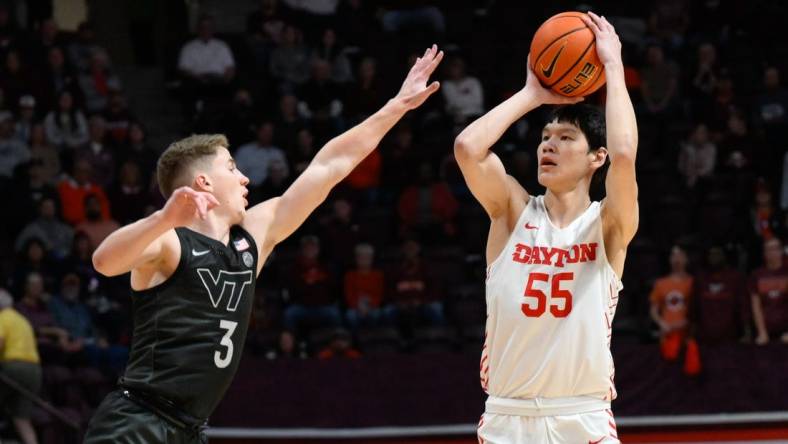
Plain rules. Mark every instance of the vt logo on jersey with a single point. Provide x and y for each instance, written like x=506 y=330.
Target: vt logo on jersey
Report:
x=230 y=282
x=526 y=254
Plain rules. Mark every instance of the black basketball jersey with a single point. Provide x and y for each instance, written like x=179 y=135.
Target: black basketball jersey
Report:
x=190 y=330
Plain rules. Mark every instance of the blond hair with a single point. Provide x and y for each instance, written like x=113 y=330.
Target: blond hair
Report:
x=177 y=161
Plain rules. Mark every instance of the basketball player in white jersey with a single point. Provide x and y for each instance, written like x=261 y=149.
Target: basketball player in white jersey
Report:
x=555 y=261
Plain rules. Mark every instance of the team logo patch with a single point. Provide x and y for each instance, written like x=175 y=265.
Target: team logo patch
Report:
x=247 y=258
x=241 y=244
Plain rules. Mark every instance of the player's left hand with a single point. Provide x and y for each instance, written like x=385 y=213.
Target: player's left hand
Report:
x=608 y=45
x=414 y=89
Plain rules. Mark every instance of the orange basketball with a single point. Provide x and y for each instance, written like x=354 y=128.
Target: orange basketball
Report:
x=563 y=56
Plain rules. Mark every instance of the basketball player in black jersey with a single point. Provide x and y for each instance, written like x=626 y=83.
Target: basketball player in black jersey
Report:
x=193 y=267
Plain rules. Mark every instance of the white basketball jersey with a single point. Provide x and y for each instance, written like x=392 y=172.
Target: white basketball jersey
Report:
x=551 y=297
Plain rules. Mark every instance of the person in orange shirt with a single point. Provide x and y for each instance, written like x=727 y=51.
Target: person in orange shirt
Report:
x=363 y=289
x=670 y=299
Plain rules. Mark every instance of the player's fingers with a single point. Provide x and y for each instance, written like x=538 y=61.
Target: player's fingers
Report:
x=608 y=25
x=212 y=200
x=434 y=64
x=590 y=23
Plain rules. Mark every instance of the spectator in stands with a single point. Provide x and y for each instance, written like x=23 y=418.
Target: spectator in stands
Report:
x=239 y=121
x=312 y=290
x=254 y=158
x=73 y=190
x=399 y=15
x=206 y=63
x=27 y=193
x=12 y=151
x=81 y=261
x=66 y=126
x=463 y=93
x=287 y=348
x=356 y=22
x=704 y=79
x=288 y=122
x=48 y=37
x=16 y=80
x=668 y=21
x=81 y=50
x=428 y=207
x=340 y=232
x=364 y=180
x=19 y=362
x=138 y=150
x=698 y=156
x=670 y=301
x=129 y=194
x=720 y=302
x=94 y=225
x=10 y=34
x=44 y=155
x=26 y=118
x=367 y=94
x=411 y=297
x=330 y=51
x=56 y=236
x=659 y=87
x=290 y=60
x=274 y=185
x=769 y=294
x=321 y=96
x=399 y=156
x=96 y=152
x=340 y=346
x=364 y=287
x=98 y=82
x=58 y=76
x=304 y=151
x=53 y=342
x=735 y=146
x=33 y=258
x=268 y=22
x=764 y=216
x=72 y=315
x=118 y=118
x=771 y=107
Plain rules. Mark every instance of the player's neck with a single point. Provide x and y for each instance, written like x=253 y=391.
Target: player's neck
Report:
x=213 y=226
x=565 y=207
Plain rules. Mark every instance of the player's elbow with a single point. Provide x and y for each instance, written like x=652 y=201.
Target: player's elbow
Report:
x=104 y=264
x=463 y=148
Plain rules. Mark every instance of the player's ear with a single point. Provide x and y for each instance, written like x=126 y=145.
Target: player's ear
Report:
x=598 y=156
x=202 y=182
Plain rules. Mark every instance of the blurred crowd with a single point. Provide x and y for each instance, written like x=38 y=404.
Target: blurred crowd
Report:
x=394 y=261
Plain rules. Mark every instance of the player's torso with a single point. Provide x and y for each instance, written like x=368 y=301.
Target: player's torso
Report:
x=551 y=297
x=189 y=331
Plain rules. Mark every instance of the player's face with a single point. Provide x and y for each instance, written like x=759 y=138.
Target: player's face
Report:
x=563 y=157
x=229 y=185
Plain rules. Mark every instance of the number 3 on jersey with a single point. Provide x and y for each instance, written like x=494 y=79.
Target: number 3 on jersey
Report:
x=227 y=342
x=557 y=309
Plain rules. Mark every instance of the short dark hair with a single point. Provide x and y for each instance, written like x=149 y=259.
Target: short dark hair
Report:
x=178 y=159
x=591 y=121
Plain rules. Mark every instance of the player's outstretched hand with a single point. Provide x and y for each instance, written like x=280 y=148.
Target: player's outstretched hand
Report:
x=543 y=95
x=187 y=204
x=608 y=45
x=414 y=89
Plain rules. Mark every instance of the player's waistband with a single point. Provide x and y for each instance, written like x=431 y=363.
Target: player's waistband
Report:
x=544 y=406
x=164 y=409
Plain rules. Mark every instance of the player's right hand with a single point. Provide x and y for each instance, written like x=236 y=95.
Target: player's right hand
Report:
x=543 y=95
x=187 y=204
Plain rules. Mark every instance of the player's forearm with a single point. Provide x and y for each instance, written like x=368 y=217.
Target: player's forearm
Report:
x=476 y=139
x=122 y=249
x=622 y=132
x=344 y=152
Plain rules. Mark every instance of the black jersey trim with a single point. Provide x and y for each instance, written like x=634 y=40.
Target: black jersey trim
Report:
x=167 y=282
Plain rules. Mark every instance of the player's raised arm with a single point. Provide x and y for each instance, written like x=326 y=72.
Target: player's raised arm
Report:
x=144 y=241
x=482 y=169
x=277 y=218
x=621 y=205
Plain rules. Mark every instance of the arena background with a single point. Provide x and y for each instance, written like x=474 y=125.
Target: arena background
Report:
x=713 y=120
